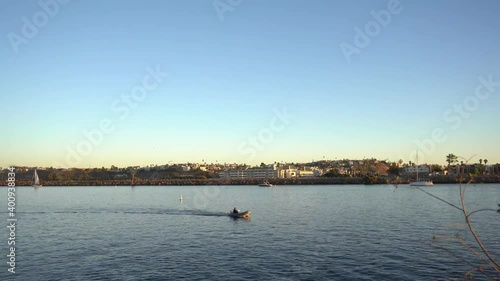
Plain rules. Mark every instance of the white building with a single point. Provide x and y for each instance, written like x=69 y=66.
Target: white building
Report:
x=232 y=174
x=413 y=169
x=306 y=174
x=256 y=173
x=288 y=173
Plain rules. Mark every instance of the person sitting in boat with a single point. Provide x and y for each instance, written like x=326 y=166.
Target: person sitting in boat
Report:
x=235 y=211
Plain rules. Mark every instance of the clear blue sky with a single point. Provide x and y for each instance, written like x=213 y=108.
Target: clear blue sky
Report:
x=228 y=75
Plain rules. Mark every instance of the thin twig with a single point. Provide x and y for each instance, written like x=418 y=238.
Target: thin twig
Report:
x=491 y=262
x=440 y=199
x=458 y=257
x=481 y=211
x=467 y=220
x=461 y=241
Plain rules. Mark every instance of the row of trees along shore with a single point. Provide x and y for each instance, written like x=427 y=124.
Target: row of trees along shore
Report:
x=175 y=175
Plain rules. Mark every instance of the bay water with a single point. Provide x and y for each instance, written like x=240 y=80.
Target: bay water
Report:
x=320 y=232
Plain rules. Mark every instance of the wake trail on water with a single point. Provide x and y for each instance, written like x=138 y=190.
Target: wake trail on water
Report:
x=174 y=212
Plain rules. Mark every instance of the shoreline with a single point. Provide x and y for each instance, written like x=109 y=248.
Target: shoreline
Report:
x=250 y=182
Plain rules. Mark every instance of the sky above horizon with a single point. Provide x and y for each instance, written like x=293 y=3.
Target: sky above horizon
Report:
x=101 y=83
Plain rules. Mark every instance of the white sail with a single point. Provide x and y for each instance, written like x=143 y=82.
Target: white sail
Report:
x=36 y=179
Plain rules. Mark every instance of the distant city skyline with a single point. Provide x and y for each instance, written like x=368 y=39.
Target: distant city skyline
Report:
x=137 y=83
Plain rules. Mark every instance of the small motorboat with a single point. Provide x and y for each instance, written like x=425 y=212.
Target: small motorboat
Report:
x=266 y=184
x=240 y=214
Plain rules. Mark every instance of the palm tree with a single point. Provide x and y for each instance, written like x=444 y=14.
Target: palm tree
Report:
x=451 y=158
x=485 y=162
x=480 y=161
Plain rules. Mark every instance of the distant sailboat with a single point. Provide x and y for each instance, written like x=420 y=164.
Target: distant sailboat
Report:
x=36 y=180
x=133 y=179
x=420 y=183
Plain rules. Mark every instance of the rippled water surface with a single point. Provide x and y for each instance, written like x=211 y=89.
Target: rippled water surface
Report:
x=351 y=232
